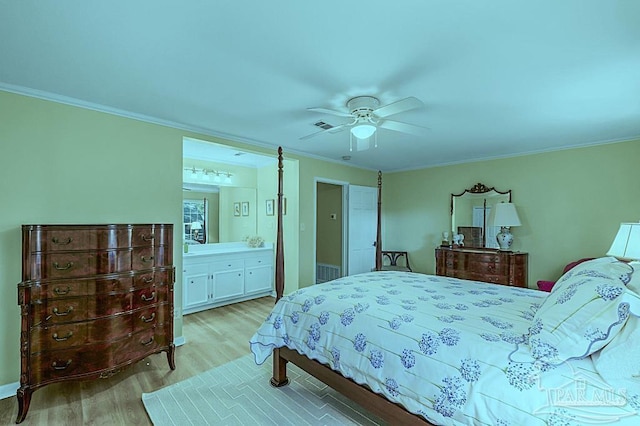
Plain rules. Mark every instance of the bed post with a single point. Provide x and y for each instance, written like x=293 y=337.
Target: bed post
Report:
x=279 y=244
x=279 y=377
x=379 y=233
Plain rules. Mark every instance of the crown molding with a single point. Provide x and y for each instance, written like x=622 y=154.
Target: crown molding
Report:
x=54 y=97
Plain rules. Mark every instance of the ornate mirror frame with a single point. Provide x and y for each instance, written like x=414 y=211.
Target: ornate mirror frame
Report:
x=481 y=197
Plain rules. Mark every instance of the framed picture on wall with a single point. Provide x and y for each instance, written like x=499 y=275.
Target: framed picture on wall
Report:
x=245 y=208
x=270 y=207
x=236 y=209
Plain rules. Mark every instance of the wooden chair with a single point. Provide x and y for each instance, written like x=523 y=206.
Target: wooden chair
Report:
x=390 y=261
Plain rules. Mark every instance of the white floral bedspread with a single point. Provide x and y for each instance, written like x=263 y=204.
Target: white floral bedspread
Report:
x=453 y=351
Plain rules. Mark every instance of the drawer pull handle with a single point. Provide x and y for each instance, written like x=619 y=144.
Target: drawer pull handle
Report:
x=60 y=292
x=147 y=238
x=62 y=268
x=150 y=298
x=62 y=243
x=151 y=318
x=147 y=259
x=61 y=314
x=147 y=280
x=62 y=339
x=109 y=373
x=60 y=367
x=148 y=342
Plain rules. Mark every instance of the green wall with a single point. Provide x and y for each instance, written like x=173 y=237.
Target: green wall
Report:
x=65 y=164
x=62 y=164
x=237 y=228
x=328 y=230
x=570 y=203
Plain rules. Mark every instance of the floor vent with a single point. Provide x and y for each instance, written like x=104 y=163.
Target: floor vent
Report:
x=325 y=272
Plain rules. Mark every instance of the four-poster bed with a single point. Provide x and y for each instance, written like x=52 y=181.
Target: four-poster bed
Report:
x=373 y=402
x=422 y=349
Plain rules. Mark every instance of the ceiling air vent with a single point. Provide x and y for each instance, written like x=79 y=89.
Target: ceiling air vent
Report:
x=323 y=125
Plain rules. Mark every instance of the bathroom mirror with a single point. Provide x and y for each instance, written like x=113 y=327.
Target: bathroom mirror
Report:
x=469 y=212
x=214 y=208
x=224 y=185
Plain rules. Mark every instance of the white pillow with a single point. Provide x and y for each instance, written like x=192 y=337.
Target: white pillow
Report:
x=619 y=361
x=620 y=358
x=585 y=310
x=634 y=284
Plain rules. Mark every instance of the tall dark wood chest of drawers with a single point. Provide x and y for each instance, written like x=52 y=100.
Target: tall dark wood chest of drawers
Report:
x=94 y=299
x=489 y=265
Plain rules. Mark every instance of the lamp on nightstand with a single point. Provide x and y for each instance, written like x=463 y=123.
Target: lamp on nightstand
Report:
x=626 y=245
x=505 y=216
x=196 y=227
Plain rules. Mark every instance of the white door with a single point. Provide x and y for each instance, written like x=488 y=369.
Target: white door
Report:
x=363 y=209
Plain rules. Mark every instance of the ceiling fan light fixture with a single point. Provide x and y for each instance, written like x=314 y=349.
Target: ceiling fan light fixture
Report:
x=363 y=131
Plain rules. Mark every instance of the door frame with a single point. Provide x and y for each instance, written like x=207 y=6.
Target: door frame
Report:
x=345 y=212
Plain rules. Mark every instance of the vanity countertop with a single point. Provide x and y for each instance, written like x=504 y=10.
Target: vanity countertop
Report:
x=223 y=248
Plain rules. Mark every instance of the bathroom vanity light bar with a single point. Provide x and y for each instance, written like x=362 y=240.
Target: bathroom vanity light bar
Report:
x=208 y=174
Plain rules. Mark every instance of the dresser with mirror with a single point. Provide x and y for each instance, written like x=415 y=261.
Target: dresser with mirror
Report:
x=478 y=258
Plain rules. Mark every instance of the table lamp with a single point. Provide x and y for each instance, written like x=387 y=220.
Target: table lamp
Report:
x=626 y=244
x=196 y=227
x=505 y=216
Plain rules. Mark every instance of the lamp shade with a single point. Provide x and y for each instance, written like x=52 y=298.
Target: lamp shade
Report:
x=363 y=131
x=196 y=225
x=503 y=214
x=626 y=244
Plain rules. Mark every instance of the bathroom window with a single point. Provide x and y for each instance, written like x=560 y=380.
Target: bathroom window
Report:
x=194 y=213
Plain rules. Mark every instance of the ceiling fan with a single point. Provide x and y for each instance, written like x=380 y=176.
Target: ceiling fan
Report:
x=367 y=116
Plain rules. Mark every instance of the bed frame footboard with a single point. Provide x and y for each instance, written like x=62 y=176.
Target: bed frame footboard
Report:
x=388 y=411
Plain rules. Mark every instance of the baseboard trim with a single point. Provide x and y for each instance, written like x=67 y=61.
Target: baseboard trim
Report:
x=179 y=341
x=9 y=390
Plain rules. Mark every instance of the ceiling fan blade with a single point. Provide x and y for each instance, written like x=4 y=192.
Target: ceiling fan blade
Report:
x=397 y=126
x=330 y=111
x=331 y=130
x=399 y=106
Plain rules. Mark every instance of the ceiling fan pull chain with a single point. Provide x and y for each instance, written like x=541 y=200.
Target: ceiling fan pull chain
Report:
x=350 y=142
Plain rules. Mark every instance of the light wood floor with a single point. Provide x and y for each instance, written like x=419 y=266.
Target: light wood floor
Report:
x=213 y=337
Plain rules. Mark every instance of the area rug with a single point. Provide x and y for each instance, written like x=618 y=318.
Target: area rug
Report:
x=239 y=393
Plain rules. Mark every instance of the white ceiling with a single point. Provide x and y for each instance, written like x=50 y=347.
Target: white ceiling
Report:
x=207 y=151
x=497 y=77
